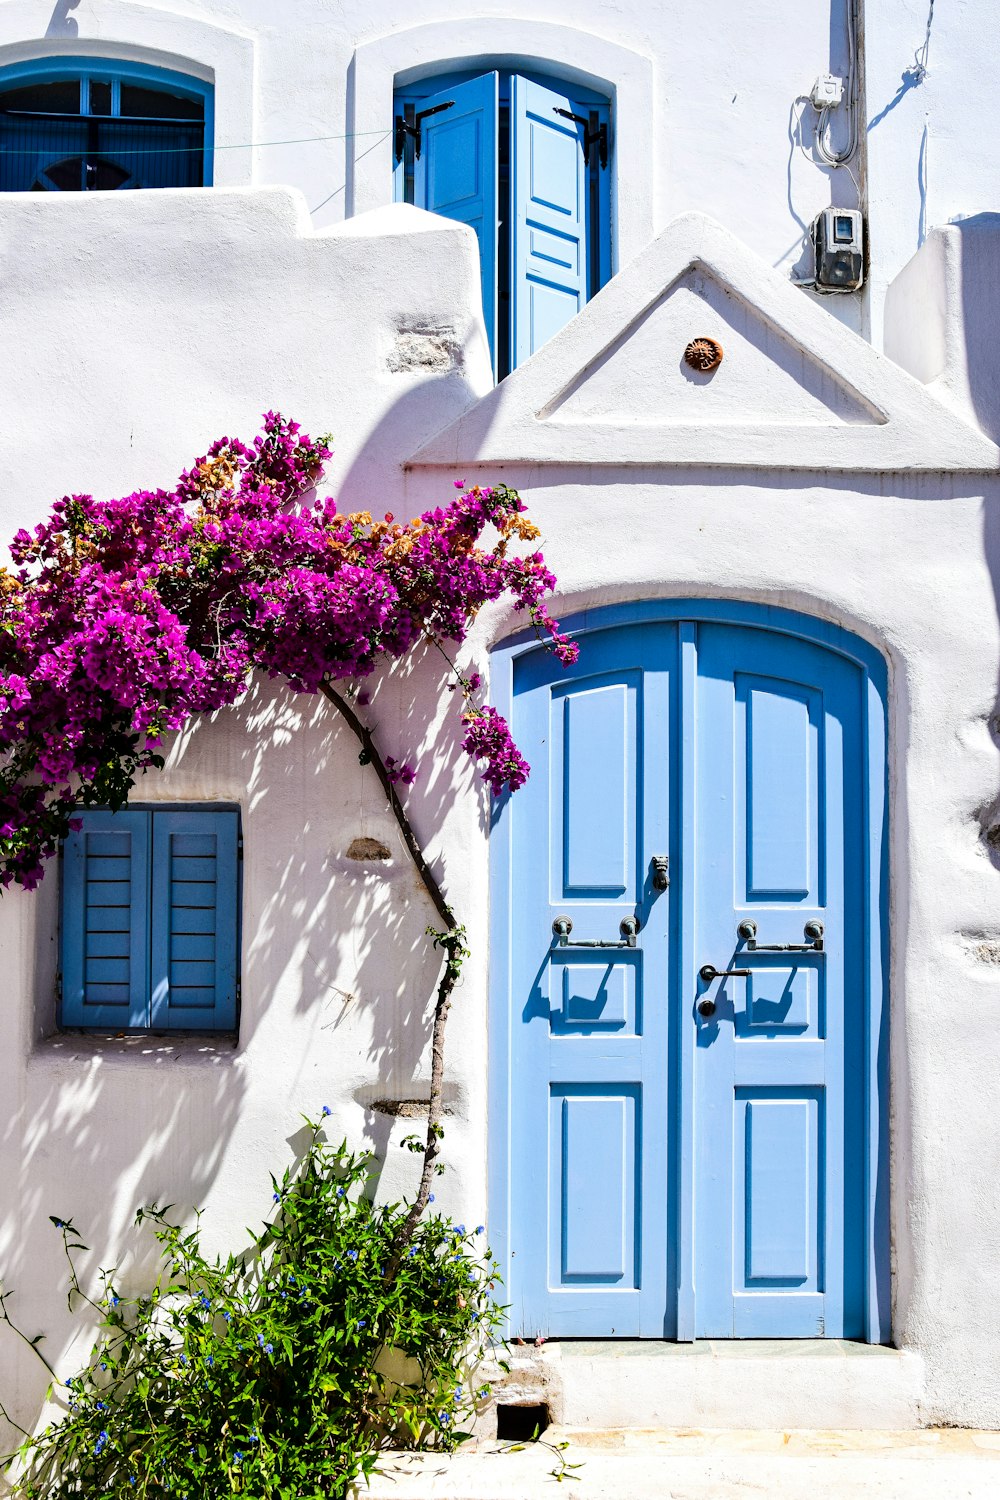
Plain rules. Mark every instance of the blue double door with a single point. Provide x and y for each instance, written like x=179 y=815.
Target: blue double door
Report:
x=685 y=1142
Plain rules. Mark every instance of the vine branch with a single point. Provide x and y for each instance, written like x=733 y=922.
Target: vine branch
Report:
x=451 y=940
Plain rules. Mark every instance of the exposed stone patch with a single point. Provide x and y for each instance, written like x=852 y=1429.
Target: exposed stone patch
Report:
x=985 y=949
x=406 y=1109
x=368 y=849
x=427 y=350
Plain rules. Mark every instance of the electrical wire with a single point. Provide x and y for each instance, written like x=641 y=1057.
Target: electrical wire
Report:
x=841 y=158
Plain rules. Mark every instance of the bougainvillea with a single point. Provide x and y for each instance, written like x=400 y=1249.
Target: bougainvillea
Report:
x=124 y=618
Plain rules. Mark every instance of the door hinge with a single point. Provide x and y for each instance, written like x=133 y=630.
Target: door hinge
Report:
x=409 y=124
x=595 y=133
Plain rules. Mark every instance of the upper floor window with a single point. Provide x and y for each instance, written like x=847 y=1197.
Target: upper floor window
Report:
x=71 y=125
x=150 y=920
x=524 y=162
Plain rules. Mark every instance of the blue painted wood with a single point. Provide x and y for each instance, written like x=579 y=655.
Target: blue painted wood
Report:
x=587 y=1029
x=772 y=1185
x=104 y=937
x=194 y=920
x=116 y=71
x=549 y=210
x=779 y=1170
x=456 y=174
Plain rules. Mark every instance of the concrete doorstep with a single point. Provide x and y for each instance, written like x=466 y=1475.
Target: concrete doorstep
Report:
x=693 y=1464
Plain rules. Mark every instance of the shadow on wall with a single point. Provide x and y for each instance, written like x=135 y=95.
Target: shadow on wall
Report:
x=977 y=340
x=338 y=983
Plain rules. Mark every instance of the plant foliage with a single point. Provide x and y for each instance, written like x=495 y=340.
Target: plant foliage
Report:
x=279 y=1372
x=125 y=618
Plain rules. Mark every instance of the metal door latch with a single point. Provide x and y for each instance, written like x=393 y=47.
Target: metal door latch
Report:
x=563 y=926
x=747 y=932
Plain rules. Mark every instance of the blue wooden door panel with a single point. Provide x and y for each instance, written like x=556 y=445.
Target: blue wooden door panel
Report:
x=194 y=920
x=104 y=940
x=549 y=208
x=589 y=1143
x=779 y=1105
x=456 y=175
x=745 y=1208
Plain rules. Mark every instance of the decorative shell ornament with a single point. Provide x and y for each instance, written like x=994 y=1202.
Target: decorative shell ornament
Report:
x=703 y=354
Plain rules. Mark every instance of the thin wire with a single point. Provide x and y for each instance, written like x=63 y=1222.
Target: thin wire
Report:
x=186 y=150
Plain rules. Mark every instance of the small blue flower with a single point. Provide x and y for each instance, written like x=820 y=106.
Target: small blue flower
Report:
x=430 y=1198
x=102 y=1406
x=209 y=1360
x=340 y=1192
x=326 y=1109
x=460 y=1230
x=277 y=1197
x=444 y=1416
x=362 y=1323
x=102 y=1442
x=228 y=1317
x=206 y=1304
x=254 y=1438
x=184 y=1359
x=115 y=1301
x=480 y=1228
x=238 y=1456
x=352 y=1255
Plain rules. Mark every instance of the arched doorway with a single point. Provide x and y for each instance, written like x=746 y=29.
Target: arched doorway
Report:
x=688 y=1104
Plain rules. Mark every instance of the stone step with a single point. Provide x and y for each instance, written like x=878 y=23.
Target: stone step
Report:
x=707 y=1465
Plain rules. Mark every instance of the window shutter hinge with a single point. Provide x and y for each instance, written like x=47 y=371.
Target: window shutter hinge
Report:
x=405 y=127
x=595 y=133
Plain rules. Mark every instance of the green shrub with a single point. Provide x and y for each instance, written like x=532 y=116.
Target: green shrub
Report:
x=280 y=1372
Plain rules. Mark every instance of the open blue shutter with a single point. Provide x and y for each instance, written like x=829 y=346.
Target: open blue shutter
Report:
x=105 y=936
x=550 y=209
x=195 y=900
x=457 y=172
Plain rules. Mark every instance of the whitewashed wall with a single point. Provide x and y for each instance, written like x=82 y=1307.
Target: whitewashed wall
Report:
x=710 y=101
x=135 y=329
x=184 y=316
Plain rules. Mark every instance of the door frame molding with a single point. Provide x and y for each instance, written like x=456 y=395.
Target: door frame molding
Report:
x=874 y=670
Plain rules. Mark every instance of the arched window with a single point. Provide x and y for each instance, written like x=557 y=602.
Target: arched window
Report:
x=86 y=125
x=525 y=161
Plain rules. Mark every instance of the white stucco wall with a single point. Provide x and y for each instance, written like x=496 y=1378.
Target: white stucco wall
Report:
x=183 y=315
x=710 y=104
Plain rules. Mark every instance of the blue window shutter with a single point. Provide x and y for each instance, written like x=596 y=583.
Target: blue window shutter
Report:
x=105 y=906
x=195 y=908
x=551 y=213
x=457 y=172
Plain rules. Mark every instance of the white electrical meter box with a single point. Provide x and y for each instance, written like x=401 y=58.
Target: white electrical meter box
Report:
x=839 y=242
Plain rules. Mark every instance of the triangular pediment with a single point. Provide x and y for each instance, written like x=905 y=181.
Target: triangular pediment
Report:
x=795 y=388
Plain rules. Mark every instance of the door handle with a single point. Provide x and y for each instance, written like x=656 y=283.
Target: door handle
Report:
x=707 y=974
x=747 y=932
x=563 y=926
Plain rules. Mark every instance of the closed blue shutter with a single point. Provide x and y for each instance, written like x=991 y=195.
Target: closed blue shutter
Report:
x=551 y=214
x=105 y=948
x=457 y=172
x=193 y=950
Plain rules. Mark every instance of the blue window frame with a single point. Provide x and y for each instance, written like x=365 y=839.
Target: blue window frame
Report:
x=94 y=125
x=525 y=162
x=150 y=920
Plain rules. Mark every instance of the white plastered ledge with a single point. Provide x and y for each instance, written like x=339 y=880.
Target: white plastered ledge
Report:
x=581 y=57
x=795 y=389
x=220 y=55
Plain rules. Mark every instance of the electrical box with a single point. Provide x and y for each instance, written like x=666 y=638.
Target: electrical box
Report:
x=827 y=91
x=839 y=241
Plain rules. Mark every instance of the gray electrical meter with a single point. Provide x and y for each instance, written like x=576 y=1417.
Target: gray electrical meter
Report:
x=839 y=240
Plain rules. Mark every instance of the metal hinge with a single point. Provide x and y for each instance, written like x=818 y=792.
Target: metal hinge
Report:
x=595 y=132
x=409 y=124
